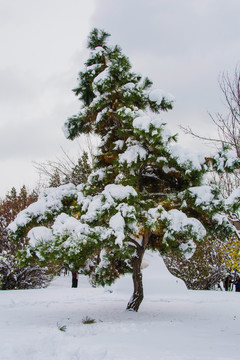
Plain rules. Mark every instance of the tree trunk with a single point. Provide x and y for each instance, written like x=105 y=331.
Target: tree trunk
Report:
x=137 y=296
x=74 y=279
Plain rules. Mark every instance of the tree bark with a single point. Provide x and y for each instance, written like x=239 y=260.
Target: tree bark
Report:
x=137 y=296
x=74 y=279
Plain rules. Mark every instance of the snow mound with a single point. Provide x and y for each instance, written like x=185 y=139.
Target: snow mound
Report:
x=157 y=280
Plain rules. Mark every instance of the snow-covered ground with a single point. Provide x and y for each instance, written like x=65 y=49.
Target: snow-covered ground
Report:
x=172 y=323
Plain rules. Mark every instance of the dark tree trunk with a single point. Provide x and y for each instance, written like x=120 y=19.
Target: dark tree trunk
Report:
x=137 y=296
x=74 y=279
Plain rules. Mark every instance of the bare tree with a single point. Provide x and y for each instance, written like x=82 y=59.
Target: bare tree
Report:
x=196 y=273
x=66 y=168
x=228 y=125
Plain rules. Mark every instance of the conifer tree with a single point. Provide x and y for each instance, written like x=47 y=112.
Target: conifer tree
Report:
x=13 y=276
x=66 y=170
x=145 y=192
x=55 y=179
x=81 y=170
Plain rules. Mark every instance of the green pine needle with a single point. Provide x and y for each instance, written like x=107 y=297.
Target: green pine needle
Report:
x=88 y=320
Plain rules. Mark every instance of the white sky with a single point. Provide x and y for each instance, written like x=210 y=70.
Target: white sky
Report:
x=182 y=46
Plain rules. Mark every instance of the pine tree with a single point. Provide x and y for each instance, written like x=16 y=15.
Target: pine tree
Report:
x=81 y=170
x=145 y=192
x=55 y=179
x=13 y=276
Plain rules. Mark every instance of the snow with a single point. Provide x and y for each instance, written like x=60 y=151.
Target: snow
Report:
x=167 y=170
x=188 y=248
x=172 y=323
x=94 y=208
x=118 y=144
x=91 y=205
x=231 y=157
x=157 y=95
x=37 y=234
x=234 y=197
x=179 y=222
x=119 y=192
x=101 y=76
x=203 y=194
x=100 y=173
x=49 y=200
x=226 y=158
x=187 y=157
x=133 y=154
x=117 y=223
x=94 y=205
x=143 y=122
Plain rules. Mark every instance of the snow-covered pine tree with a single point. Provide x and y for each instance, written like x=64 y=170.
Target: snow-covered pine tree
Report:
x=13 y=276
x=145 y=192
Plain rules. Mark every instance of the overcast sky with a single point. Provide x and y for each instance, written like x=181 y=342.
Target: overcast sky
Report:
x=183 y=46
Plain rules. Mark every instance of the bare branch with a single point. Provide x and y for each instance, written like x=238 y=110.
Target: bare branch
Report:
x=188 y=130
x=64 y=165
x=228 y=125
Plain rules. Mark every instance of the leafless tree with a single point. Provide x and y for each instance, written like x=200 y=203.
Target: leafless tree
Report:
x=196 y=273
x=64 y=167
x=228 y=125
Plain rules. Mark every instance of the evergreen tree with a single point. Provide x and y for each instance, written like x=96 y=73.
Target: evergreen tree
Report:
x=81 y=170
x=13 y=276
x=55 y=179
x=66 y=170
x=145 y=192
